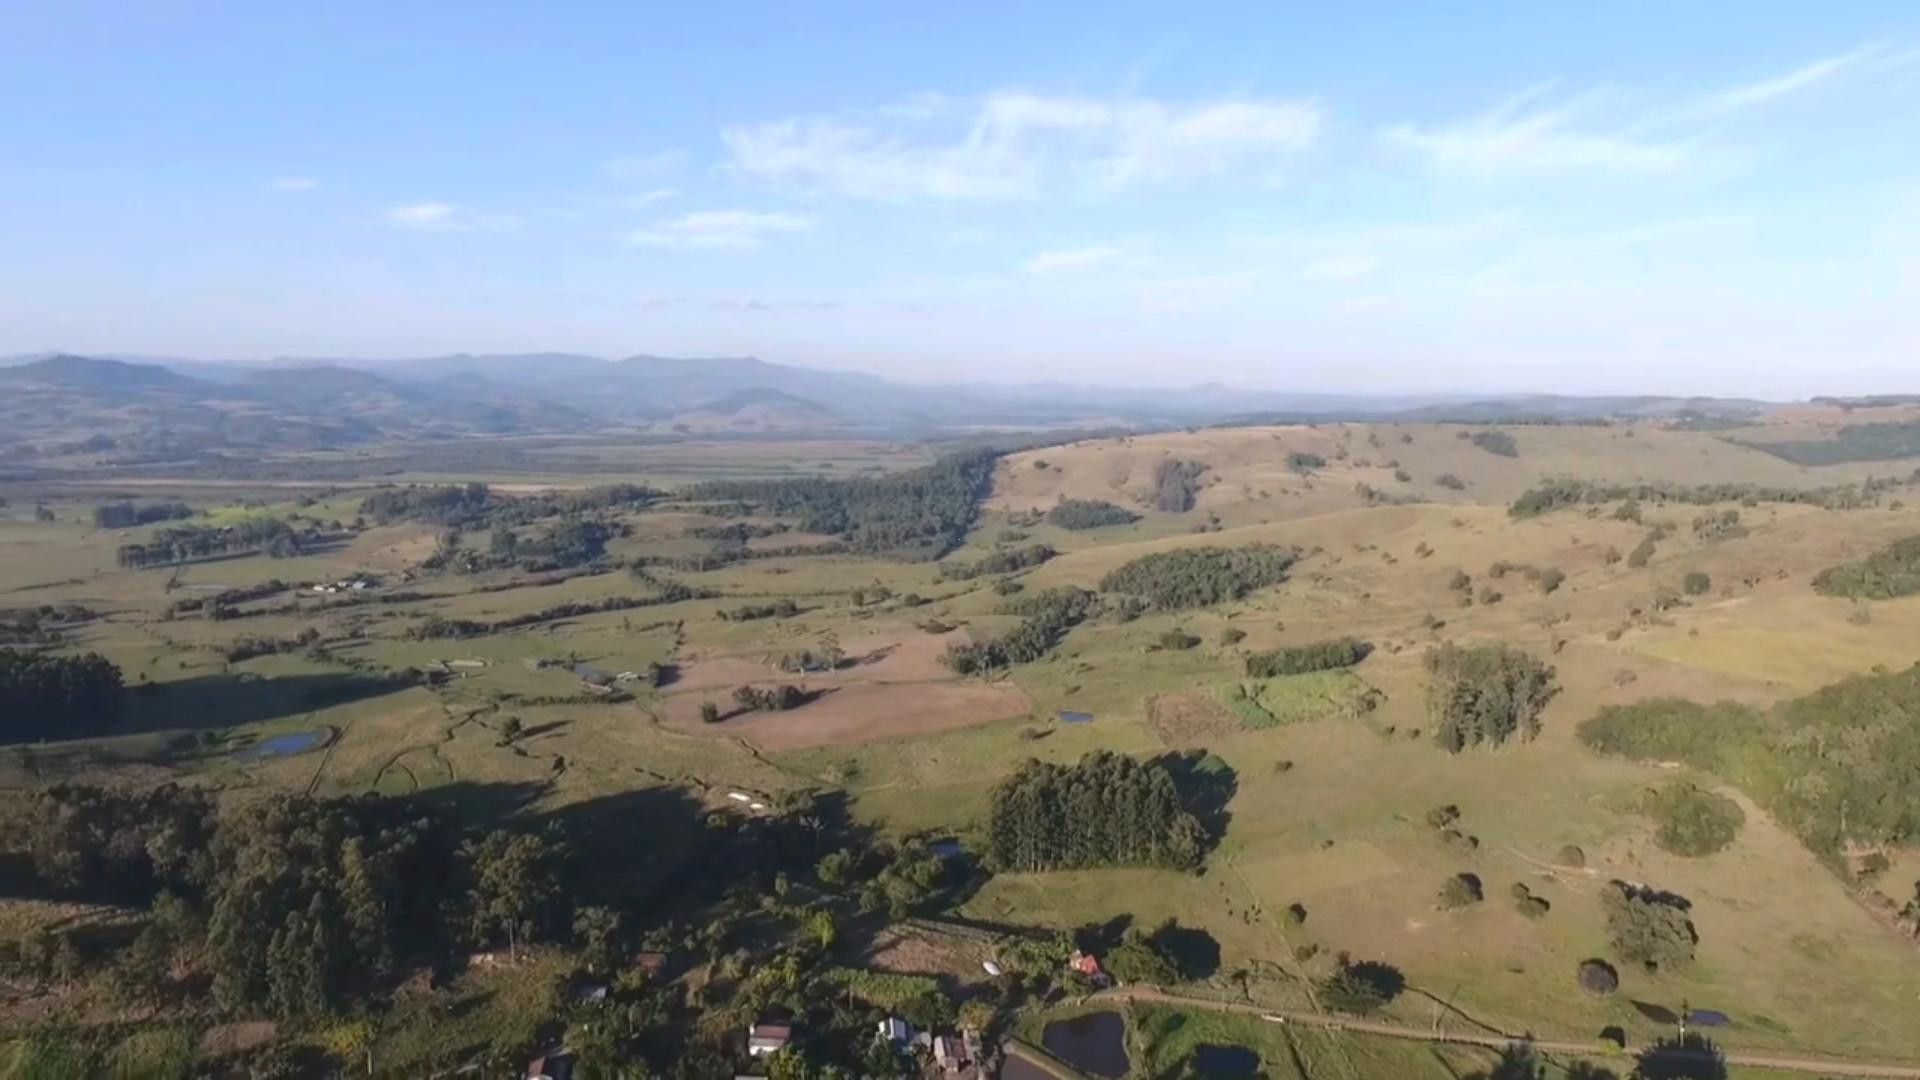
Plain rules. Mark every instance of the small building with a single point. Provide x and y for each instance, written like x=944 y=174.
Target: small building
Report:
x=1088 y=965
x=896 y=1031
x=950 y=1053
x=765 y=1038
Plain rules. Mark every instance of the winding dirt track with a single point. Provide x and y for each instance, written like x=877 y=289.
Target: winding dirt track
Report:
x=1596 y=1051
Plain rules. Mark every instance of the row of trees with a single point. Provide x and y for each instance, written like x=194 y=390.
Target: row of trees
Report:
x=1568 y=492
x=1300 y=659
x=1486 y=694
x=1107 y=810
x=127 y=515
x=1004 y=561
x=186 y=543
x=43 y=696
x=1198 y=577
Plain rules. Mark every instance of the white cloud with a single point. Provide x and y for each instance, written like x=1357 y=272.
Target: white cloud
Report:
x=1016 y=145
x=710 y=229
x=646 y=199
x=1076 y=259
x=445 y=217
x=295 y=183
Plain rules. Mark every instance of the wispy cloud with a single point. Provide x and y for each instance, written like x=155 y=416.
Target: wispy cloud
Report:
x=710 y=229
x=1077 y=259
x=445 y=217
x=295 y=183
x=1016 y=145
x=1516 y=137
x=1769 y=90
x=1340 y=268
x=635 y=168
x=645 y=199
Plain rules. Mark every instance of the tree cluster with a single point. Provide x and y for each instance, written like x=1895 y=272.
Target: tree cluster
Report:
x=1106 y=810
x=1198 y=577
x=1891 y=572
x=1495 y=442
x=783 y=608
x=127 y=515
x=1176 y=484
x=1567 y=492
x=1046 y=618
x=43 y=696
x=1301 y=659
x=1484 y=695
x=1081 y=514
x=1692 y=822
x=1648 y=927
x=773 y=699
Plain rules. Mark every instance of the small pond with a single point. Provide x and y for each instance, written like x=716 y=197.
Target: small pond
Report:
x=1076 y=717
x=1225 y=1061
x=1095 y=1043
x=287 y=744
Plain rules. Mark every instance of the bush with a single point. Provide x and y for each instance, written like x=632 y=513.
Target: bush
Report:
x=1450 y=482
x=1551 y=579
x=1572 y=855
x=1178 y=640
x=1359 y=989
x=1175 y=484
x=1304 y=463
x=1891 y=572
x=1696 y=583
x=1486 y=694
x=1692 y=822
x=1232 y=636
x=1459 y=891
x=1496 y=442
x=1648 y=927
x=1597 y=977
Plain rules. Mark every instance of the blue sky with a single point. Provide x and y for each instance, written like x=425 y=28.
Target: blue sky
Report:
x=1717 y=198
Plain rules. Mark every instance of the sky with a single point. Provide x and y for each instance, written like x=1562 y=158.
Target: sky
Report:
x=1704 y=197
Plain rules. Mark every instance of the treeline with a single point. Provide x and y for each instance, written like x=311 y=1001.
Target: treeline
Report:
x=251 y=646
x=1046 y=618
x=1080 y=514
x=187 y=543
x=737 y=532
x=919 y=514
x=476 y=505
x=440 y=627
x=299 y=908
x=783 y=608
x=126 y=515
x=573 y=541
x=50 y=697
x=1484 y=695
x=1838 y=766
x=1198 y=577
x=220 y=605
x=1853 y=442
x=1301 y=659
x=1891 y=572
x=1107 y=810
x=1004 y=561
x=1568 y=492
x=43 y=625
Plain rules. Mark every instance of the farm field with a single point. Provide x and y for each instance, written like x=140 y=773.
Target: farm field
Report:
x=684 y=670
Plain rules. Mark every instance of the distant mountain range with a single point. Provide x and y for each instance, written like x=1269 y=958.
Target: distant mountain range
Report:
x=152 y=408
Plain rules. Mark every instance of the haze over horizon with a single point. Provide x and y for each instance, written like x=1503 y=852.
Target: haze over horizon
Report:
x=1721 y=200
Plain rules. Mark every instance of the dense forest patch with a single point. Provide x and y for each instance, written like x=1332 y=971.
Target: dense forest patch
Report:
x=56 y=697
x=1107 y=810
x=919 y=514
x=1004 y=561
x=1300 y=659
x=1839 y=767
x=1175 y=485
x=1197 y=577
x=1567 y=492
x=1854 y=442
x=1047 y=616
x=1888 y=573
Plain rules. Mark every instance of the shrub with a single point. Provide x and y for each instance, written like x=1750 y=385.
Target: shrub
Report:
x=1178 y=640
x=1361 y=988
x=1551 y=579
x=1572 y=855
x=1643 y=551
x=709 y=713
x=1232 y=636
x=1450 y=482
x=1597 y=977
x=1459 y=891
x=1696 y=583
